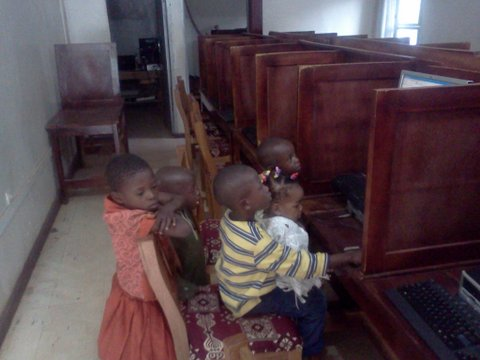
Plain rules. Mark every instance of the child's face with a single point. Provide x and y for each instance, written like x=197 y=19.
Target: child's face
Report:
x=287 y=160
x=138 y=192
x=290 y=206
x=192 y=195
x=259 y=195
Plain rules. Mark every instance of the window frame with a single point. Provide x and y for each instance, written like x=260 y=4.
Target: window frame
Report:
x=390 y=25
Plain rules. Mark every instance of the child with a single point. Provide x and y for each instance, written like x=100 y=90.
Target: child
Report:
x=181 y=181
x=278 y=154
x=281 y=221
x=250 y=260
x=133 y=325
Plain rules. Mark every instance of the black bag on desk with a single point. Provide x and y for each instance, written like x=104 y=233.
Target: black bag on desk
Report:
x=352 y=186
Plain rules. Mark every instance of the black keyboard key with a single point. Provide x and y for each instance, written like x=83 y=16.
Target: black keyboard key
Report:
x=449 y=325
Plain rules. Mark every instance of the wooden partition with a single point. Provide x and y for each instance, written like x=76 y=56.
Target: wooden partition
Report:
x=474 y=76
x=277 y=90
x=244 y=75
x=223 y=64
x=244 y=91
x=423 y=179
x=335 y=105
x=450 y=45
x=327 y=38
x=448 y=56
x=206 y=57
x=277 y=85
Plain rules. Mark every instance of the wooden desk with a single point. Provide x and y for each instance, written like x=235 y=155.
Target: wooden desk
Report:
x=331 y=227
x=395 y=336
x=107 y=119
x=141 y=75
x=147 y=84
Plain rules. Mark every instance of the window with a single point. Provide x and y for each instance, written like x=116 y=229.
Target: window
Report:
x=401 y=18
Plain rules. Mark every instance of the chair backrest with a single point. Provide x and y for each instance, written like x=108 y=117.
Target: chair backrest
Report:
x=235 y=347
x=209 y=164
x=87 y=73
x=202 y=137
x=183 y=105
x=183 y=95
x=163 y=285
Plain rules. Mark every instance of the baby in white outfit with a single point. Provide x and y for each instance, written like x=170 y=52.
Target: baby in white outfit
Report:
x=280 y=220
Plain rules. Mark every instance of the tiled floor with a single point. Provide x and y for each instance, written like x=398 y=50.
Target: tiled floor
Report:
x=59 y=315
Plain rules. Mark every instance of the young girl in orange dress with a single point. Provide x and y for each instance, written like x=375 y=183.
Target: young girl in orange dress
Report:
x=134 y=326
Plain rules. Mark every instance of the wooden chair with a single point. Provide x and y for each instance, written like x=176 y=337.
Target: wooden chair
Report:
x=184 y=111
x=203 y=328
x=92 y=108
x=209 y=163
x=214 y=134
x=187 y=153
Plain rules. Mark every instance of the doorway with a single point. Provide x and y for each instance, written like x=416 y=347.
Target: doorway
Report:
x=137 y=27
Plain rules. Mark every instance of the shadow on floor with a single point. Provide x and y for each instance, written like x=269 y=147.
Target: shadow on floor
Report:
x=146 y=121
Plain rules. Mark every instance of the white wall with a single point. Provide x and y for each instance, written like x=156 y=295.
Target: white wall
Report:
x=177 y=62
x=345 y=17
x=450 y=21
x=87 y=21
x=28 y=98
x=226 y=14
x=131 y=20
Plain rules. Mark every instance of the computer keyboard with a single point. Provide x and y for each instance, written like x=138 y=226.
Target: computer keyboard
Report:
x=448 y=324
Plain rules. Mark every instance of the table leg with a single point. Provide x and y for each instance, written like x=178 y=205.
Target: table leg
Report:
x=57 y=158
x=116 y=139
x=124 y=132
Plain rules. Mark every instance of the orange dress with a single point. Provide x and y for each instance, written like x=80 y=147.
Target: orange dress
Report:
x=133 y=326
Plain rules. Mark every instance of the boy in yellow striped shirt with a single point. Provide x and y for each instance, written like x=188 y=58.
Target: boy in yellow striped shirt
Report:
x=250 y=260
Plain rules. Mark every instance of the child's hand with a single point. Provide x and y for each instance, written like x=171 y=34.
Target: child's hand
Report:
x=165 y=219
x=344 y=259
x=355 y=258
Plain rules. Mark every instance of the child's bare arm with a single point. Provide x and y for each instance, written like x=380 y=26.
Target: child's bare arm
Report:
x=165 y=215
x=180 y=230
x=336 y=261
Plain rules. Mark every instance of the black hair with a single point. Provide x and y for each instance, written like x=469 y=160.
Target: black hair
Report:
x=174 y=178
x=122 y=167
x=280 y=186
x=269 y=150
x=229 y=185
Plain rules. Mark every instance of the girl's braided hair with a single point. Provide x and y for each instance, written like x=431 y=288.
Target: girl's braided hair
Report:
x=279 y=185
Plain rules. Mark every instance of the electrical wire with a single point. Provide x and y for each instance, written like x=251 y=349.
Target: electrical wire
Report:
x=191 y=18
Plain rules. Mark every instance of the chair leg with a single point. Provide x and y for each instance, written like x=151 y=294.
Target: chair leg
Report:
x=181 y=157
x=57 y=157
x=236 y=348
x=124 y=133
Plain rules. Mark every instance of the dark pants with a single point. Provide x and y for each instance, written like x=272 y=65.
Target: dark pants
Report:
x=309 y=317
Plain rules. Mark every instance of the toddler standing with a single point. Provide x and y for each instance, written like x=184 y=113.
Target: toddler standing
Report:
x=179 y=181
x=133 y=325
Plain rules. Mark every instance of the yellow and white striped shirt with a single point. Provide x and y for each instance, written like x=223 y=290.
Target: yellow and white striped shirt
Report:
x=250 y=260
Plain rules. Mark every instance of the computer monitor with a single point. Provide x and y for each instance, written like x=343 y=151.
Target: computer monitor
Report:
x=149 y=50
x=410 y=79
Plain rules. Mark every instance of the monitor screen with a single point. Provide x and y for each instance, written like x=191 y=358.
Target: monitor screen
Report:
x=409 y=79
